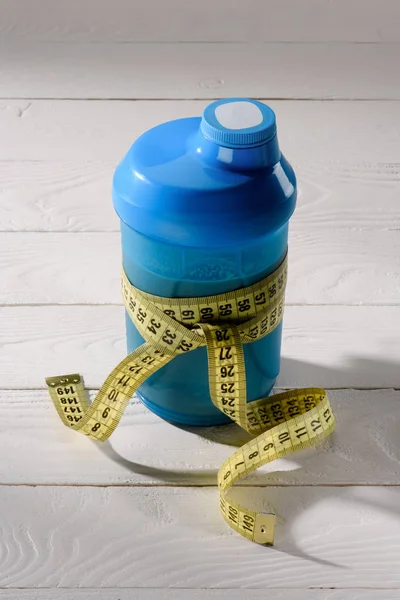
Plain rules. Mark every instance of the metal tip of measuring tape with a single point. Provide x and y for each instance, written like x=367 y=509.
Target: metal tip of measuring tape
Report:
x=264 y=529
x=63 y=380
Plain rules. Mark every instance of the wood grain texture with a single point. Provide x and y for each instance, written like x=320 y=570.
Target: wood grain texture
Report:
x=175 y=537
x=204 y=594
x=58 y=195
x=80 y=520
x=325 y=133
x=53 y=195
x=180 y=21
x=328 y=266
x=146 y=450
x=333 y=346
x=156 y=70
x=56 y=168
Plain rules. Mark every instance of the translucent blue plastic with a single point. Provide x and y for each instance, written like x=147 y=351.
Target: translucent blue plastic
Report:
x=199 y=218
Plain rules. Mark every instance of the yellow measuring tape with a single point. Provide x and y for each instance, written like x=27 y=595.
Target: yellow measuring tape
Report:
x=283 y=423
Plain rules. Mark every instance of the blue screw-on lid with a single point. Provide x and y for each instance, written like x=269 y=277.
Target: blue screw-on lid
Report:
x=177 y=186
x=238 y=122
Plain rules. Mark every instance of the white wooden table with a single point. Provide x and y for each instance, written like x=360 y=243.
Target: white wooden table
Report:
x=138 y=517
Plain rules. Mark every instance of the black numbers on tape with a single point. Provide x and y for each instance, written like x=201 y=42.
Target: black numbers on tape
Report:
x=105 y=413
x=135 y=369
x=225 y=310
x=125 y=379
x=277 y=412
x=66 y=390
x=222 y=335
x=72 y=409
x=169 y=337
x=252 y=419
x=228 y=388
x=69 y=401
x=206 y=313
x=73 y=419
x=170 y=313
x=141 y=315
x=273 y=317
x=315 y=425
x=227 y=371
x=293 y=407
x=230 y=412
x=244 y=305
x=228 y=402
x=154 y=325
x=260 y=298
x=300 y=432
x=309 y=403
x=264 y=415
x=232 y=514
x=113 y=395
x=248 y=523
x=185 y=346
x=284 y=437
x=272 y=290
x=280 y=281
x=227 y=475
x=264 y=325
x=239 y=463
x=253 y=455
x=148 y=360
x=96 y=427
x=268 y=447
x=225 y=353
x=132 y=305
x=253 y=332
x=187 y=314
x=327 y=415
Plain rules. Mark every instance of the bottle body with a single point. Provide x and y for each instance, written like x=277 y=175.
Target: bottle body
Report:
x=204 y=210
x=179 y=391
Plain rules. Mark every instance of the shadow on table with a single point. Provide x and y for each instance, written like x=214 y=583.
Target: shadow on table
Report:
x=362 y=370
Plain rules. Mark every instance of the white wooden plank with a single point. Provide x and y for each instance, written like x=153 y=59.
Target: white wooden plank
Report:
x=333 y=346
x=195 y=70
x=76 y=196
x=329 y=266
x=180 y=21
x=174 y=537
x=146 y=450
x=99 y=133
x=204 y=594
x=57 y=165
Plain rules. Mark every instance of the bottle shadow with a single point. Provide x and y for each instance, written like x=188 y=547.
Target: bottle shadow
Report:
x=358 y=373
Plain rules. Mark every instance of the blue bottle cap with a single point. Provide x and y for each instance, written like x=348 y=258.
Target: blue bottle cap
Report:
x=238 y=123
x=177 y=186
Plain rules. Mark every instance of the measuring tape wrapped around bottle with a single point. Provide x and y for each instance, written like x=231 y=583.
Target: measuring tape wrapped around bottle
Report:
x=282 y=423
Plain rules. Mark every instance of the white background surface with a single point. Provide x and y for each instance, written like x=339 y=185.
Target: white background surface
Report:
x=78 y=82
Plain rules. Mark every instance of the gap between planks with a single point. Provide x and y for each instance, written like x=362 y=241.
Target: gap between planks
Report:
x=194 y=99
x=145 y=449
x=76 y=537
x=197 y=485
x=331 y=388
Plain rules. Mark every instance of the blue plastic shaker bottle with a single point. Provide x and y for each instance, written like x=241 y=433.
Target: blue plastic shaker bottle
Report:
x=204 y=205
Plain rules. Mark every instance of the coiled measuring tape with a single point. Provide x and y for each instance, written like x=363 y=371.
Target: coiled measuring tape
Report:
x=283 y=423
